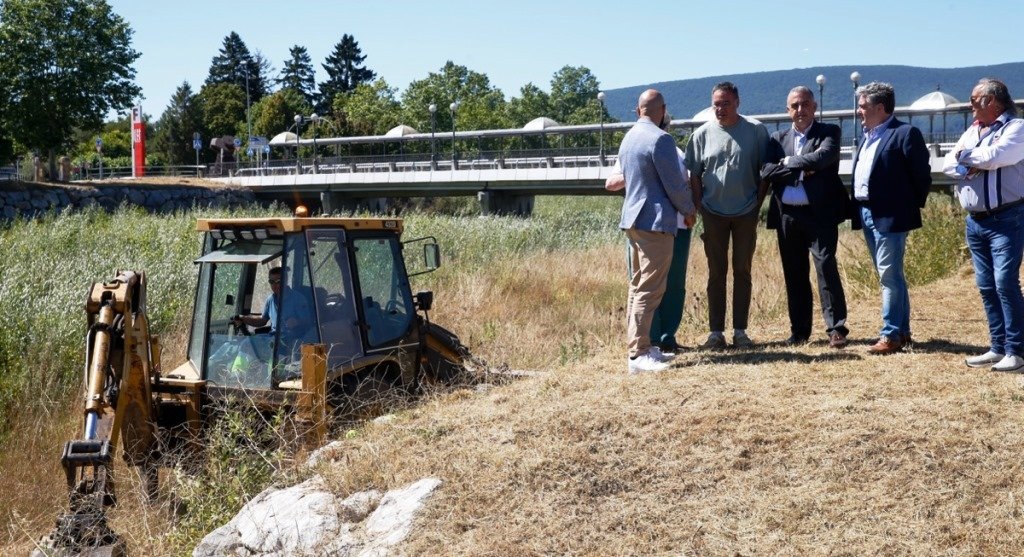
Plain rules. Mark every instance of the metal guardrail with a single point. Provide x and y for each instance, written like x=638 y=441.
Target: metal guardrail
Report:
x=115 y=172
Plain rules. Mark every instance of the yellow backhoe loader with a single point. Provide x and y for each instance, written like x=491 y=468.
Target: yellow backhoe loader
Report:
x=291 y=314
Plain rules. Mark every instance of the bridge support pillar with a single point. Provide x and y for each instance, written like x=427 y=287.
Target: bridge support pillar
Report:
x=330 y=202
x=500 y=203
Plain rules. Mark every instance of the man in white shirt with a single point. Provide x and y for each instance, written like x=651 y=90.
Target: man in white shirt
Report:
x=988 y=162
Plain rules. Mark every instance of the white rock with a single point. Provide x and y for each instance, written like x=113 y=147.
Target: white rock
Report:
x=392 y=521
x=307 y=519
x=328 y=452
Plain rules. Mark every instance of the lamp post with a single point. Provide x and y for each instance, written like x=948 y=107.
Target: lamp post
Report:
x=600 y=99
x=855 y=78
x=248 y=119
x=820 y=80
x=433 y=127
x=298 y=162
x=453 y=107
x=316 y=119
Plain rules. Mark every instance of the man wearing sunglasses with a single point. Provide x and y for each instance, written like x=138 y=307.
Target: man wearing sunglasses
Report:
x=988 y=163
x=295 y=316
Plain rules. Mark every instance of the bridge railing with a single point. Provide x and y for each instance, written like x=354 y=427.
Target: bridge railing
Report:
x=574 y=157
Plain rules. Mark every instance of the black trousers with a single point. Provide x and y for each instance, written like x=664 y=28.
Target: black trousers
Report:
x=798 y=234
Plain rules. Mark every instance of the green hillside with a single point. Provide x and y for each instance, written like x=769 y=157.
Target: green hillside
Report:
x=765 y=92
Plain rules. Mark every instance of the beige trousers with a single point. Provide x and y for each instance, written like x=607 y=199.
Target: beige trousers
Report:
x=651 y=256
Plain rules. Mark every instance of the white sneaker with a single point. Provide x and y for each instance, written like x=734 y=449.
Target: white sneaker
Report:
x=1009 y=363
x=986 y=359
x=657 y=354
x=645 y=363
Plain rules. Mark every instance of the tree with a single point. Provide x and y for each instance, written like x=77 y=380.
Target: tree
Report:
x=344 y=71
x=65 y=65
x=223 y=109
x=234 y=64
x=298 y=73
x=371 y=109
x=182 y=118
x=481 y=106
x=531 y=103
x=574 y=96
x=276 y=112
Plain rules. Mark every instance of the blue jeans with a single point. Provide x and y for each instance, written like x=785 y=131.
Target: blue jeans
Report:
x=887 y=250
x=997 y=245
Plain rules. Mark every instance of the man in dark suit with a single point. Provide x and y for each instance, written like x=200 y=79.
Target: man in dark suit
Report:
x=808 y=201
x=891 y=178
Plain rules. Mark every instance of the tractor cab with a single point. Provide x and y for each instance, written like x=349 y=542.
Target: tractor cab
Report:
x=268 y=286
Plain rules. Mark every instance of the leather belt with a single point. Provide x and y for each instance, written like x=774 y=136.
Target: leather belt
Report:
x=985 y=214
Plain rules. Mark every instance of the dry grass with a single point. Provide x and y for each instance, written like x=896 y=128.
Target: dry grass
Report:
x=769 y=451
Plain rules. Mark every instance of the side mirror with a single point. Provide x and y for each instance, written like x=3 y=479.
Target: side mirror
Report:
x=424 y=300
x=431 y=253
x=432 y=256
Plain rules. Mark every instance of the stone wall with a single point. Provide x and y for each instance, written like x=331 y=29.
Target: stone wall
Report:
x=33 y=200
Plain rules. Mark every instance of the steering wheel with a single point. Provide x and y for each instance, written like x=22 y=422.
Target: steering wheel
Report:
x=238 y=327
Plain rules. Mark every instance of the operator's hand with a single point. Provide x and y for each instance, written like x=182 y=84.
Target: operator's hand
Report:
x=690 y=219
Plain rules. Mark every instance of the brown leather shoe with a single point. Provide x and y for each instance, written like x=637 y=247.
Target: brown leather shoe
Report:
x=836 y=340
x=886 y=345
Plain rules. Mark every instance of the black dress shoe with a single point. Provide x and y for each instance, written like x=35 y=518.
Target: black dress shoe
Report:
x=795 y=340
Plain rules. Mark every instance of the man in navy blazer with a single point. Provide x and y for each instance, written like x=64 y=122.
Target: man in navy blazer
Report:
x=655 y=193
x=808 y=202
x=891 y=178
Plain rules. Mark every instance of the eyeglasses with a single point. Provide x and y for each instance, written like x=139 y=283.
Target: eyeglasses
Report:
x=977 y=100
x=274 y=281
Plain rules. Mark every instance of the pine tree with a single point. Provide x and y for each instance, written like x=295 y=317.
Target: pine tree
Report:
x=234 y=64
x=298 y=73
x=182 y=118
x=345 y=71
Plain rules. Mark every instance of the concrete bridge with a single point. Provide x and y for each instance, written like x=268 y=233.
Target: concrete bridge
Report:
x=504 y=169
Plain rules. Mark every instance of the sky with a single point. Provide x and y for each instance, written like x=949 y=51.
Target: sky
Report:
x=517 y=42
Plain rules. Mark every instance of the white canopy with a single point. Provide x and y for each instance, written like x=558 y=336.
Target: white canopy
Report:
x=400 y=130
x=283 y=139
x=541 y=123
x=705 y=115
x=936 y=100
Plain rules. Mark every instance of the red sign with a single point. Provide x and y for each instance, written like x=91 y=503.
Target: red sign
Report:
x=138 y=143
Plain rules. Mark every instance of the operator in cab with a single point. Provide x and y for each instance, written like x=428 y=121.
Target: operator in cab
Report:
x=295 y=316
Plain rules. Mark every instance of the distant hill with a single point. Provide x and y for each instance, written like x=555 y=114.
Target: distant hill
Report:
x=765 y=92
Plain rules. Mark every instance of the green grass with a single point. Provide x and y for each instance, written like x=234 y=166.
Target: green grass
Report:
x=933 y=251
x=49 y=265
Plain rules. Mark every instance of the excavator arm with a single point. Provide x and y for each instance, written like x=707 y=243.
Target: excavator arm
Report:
x=121 y=370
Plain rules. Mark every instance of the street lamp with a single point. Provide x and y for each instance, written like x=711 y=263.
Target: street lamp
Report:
x=316 y=119
x=600 y=99
x=298 y=162
x=433 y=125
x=820 y=80
x=855 y=78
x=453 y=107
x=248 y=119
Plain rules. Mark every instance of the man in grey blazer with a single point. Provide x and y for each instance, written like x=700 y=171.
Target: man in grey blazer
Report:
x=655 y=193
